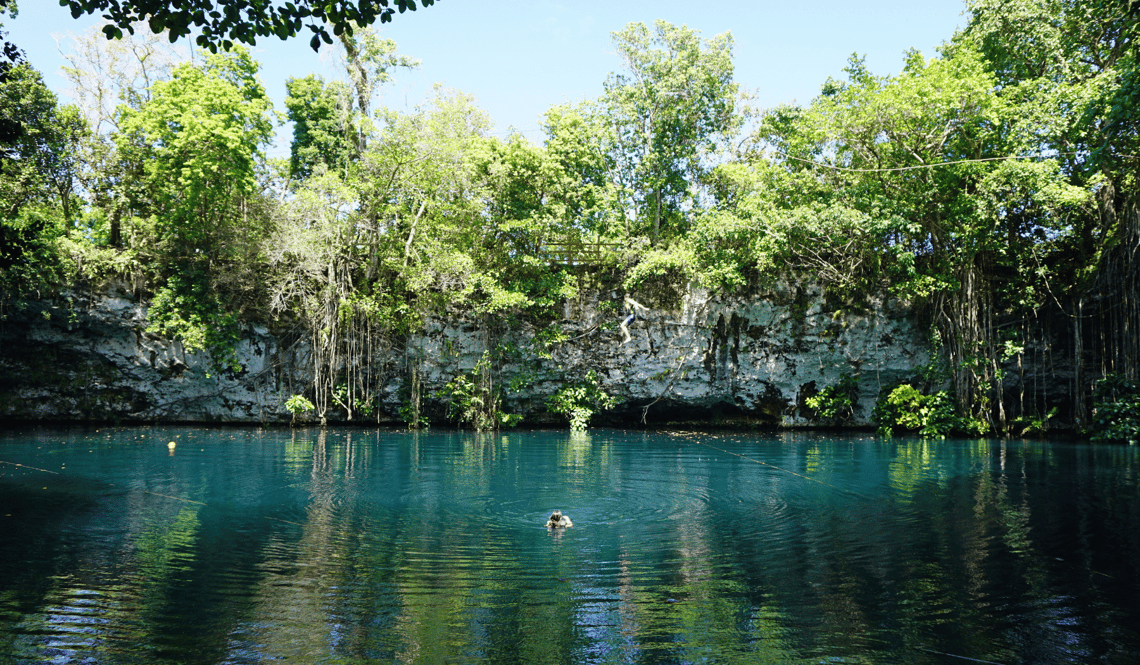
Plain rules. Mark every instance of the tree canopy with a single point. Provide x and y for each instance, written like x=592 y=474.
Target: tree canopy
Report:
x=223 y=22
x=990 y=187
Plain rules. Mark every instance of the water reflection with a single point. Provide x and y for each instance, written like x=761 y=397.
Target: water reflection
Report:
x=374 y=546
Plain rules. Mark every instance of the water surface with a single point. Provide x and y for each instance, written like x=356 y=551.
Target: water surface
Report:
x=344 y=546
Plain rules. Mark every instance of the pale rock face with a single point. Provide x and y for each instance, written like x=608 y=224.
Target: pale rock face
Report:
x=751 y=357
x=746 y=359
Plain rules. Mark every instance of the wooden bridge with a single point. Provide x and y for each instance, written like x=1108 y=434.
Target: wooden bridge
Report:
x=576 y=254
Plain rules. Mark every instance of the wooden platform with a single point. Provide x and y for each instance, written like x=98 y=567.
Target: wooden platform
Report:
x=576 y=254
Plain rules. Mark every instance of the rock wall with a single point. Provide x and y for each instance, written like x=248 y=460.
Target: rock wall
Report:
x=85 y=357
x=744 y=360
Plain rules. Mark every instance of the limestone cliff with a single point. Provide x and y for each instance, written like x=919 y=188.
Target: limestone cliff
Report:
x=741 y=359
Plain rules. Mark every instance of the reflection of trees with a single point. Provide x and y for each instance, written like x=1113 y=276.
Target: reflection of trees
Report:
x=386 y=569
x=362 y=552
x=135 y=563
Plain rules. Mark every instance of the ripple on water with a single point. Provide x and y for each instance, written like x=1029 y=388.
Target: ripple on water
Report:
x=434 y=549
x=76 y=622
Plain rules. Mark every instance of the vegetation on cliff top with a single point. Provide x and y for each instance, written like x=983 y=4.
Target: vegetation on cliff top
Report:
x=992 y=186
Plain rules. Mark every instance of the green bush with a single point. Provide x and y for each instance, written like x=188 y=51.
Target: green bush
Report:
x=1032 y=425
x=1116 y=410
x=579 y=401
x=298 y=404
x=836 y=404
x=906 y=408
x=475 y=399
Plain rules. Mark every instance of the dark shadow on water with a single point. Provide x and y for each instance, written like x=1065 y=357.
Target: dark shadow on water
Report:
x=356 y=545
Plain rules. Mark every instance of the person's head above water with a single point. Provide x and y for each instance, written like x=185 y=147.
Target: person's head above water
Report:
x=558 y=519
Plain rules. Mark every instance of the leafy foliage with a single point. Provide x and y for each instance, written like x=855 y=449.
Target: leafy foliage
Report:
x=906 y=408
x=475 y=399
x=298 y=405
x=930 y=415
x=835 y=404
x=990 y=187
x=669 y=109
x=188 y=310
x=1033 y=425
x=197 y=144
x=580 y=401
x=1116 y=410
x=38 y=198
x=221 y=22
x=322 y=126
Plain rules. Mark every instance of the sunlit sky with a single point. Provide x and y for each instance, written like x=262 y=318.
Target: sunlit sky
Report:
x=520 y=57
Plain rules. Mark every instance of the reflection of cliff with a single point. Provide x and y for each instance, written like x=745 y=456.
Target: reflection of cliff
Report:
x=718 y=359
x=371 y=546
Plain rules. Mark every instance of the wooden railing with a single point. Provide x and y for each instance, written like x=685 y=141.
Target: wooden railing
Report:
x=576 y=254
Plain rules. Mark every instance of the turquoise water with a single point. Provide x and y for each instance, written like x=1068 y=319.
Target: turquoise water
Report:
x=345 y=546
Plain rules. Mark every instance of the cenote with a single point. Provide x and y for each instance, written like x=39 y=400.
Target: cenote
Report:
x=349 y=545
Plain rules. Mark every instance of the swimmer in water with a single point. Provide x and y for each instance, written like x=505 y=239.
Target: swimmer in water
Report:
x=558 y=520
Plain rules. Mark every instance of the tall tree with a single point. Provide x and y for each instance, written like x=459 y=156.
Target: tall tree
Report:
x=926 y=162
x=583 y=197
x=1071 y=70
x=669 y=109
x=105 y=76
x=369 y=62
x=322 y=126
x=198 y=141
x=195 y=149
x=332 y=122
x=357 y=260
x=37 y=179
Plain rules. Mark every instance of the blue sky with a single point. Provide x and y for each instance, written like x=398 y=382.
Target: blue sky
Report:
x=520 y=57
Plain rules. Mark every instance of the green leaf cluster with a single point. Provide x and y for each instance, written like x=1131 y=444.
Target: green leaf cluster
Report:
x=930 y=415
x=906 y=408
x=580 y=400
x=1116 y=410
x=836 y=403
x=219 y=23
x=298 y=405
x=475 y=399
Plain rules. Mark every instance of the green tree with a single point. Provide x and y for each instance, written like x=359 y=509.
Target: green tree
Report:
x=949 y=214
x=424 y=197
x=359 y=260
x=669 y=110
x=319 y=255
x=1069 y=70
x=332 y=123
x=38 y=201
x=369 y=62
x=198 y=143
x=530 y=200
x=103 y=78
x=195 y=149
x=322 y=132
x=582 y=196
